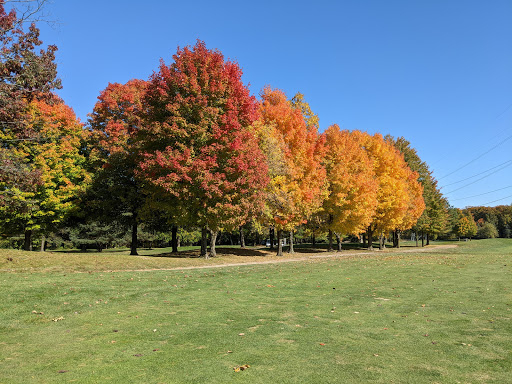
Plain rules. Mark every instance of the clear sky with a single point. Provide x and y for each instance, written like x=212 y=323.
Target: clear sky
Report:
x=437 y=72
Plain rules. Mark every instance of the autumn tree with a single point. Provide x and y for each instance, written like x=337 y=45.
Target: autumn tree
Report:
x=352 y=199
x=311 y=118
x=198 y=146
x=59 y=164
x=434 y=218
x=298 y=185
x=398 y=202
x=116 y=192
x=26 y=74
x=466 y=226
x=499 y=216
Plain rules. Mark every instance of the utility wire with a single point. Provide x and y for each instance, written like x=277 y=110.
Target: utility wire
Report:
x=478 y=174
x=477 y=180
x=490 y=202
x=478 y=157
x=481 y=194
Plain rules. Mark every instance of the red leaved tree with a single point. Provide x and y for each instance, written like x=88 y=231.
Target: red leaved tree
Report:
x=198 y=146
x=116 y=193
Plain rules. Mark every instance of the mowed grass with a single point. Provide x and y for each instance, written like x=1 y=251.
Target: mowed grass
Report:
x=416 y=317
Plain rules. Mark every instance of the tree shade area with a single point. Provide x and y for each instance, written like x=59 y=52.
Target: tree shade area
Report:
x=190 y=152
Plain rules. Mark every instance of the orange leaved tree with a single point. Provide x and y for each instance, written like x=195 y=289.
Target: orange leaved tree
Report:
x=352 y=200
x=298 y=180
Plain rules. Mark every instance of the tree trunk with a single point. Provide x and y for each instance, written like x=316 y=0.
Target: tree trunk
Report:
x=364 y=240
x=398 y=239
x=428 y=238
x=381 y=241
x=416 y=237
x=370 y=238
x=291 y=242
x=338 y=241
x=422 y=239
x=313 y=240
x=279 y=243
x=27 y=245
x=213 y=239
x=174 y=239
x=133 y=245
x=43 y=243
x=242 y=238
x=204 y=242
x=329 y=248
x=271 y=235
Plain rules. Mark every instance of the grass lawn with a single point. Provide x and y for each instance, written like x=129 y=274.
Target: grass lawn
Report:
x=417 y=317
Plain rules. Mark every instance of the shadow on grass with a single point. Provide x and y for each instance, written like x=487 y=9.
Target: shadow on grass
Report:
x=91 y=250
x=219 y=250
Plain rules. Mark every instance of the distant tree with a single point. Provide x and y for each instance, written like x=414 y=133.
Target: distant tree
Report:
x=486 y=231
x=466 y=227
x=92 y=234
x=499 y=216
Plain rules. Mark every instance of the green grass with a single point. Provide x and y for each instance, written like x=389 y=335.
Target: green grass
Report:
x=437 y=317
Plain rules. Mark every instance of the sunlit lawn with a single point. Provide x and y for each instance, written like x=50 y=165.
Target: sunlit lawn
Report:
x=442 y=317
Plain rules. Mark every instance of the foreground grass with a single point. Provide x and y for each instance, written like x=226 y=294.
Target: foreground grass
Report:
x=440 y=317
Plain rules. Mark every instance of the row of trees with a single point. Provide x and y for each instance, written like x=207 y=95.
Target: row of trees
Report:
x=191 y=147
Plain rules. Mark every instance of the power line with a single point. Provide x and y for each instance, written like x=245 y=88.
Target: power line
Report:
x=481 y=194
x=478 y=157
x=477 y=180
x=478 y=174
x=490 y=202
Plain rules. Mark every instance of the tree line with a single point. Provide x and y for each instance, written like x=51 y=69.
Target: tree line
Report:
x=191 y=150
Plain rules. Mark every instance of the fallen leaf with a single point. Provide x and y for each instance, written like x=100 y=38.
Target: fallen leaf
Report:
x=241 y=368
x=58 y=318
x=62 y=371
x=241 y=334
x=138 y=355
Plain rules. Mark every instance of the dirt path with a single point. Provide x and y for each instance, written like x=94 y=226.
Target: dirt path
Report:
x=305 y=257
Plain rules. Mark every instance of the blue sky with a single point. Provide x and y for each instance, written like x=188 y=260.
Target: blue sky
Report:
x=438 y=72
